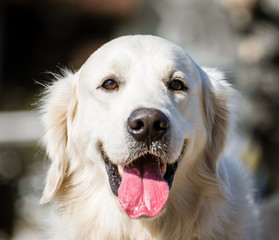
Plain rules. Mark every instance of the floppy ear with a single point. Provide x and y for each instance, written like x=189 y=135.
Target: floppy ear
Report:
x=58 y=109
x=218 y=97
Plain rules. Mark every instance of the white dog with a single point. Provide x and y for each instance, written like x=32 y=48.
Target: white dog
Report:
x=136 y=140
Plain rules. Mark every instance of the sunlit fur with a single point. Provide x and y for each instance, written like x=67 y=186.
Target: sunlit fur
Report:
x=211 y=197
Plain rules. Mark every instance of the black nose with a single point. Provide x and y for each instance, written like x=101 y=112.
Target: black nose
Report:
x=147 y=125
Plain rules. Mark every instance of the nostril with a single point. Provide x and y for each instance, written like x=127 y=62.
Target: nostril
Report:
x=157 y=125
x=136 y=125
x=161 y=124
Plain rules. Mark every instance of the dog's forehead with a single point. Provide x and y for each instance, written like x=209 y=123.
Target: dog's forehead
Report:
x=144 y=45
x=124 y=51
x=138 y=57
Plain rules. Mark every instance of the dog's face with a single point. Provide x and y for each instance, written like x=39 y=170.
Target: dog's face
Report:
x=137 y=109
x=129 y=74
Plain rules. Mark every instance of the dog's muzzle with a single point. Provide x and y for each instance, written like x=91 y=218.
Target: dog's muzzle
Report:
x=143 y=181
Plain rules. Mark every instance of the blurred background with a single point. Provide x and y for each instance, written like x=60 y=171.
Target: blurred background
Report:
x=240 y=37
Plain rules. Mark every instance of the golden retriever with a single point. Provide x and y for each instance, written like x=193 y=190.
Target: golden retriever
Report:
x=136 y=138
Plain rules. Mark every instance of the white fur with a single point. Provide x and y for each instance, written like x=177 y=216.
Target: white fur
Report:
x=211 y=196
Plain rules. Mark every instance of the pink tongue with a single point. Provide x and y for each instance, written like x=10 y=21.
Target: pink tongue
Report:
x=143 y=190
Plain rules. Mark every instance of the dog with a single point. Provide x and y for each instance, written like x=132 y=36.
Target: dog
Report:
x=136 y=139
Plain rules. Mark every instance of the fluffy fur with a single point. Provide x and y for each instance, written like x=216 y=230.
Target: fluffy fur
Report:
x=211 y=197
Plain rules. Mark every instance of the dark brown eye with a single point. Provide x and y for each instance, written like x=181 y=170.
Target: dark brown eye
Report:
x=176 y=85
x=110 y=84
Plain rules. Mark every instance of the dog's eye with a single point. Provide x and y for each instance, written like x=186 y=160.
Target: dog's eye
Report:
x=110 y=84
x=177 y=85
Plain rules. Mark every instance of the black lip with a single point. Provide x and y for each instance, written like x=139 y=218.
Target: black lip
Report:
x=113 y=174
x=115 y=178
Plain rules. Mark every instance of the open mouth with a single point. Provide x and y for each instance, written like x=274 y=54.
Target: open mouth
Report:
x=143 y=185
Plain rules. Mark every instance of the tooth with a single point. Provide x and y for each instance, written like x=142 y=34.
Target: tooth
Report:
x=120 y=169
x=163 y=167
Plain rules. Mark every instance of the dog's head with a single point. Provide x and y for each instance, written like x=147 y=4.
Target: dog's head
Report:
x=139 y=109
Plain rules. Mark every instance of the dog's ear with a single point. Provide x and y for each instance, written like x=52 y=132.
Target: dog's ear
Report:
x=58 y=107
x=218 y=98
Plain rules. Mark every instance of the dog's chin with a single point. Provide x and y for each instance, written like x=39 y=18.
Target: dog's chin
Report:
x=164 y=169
